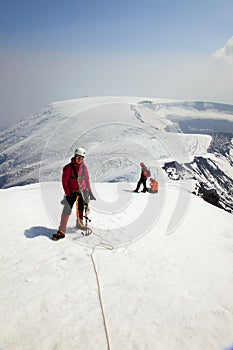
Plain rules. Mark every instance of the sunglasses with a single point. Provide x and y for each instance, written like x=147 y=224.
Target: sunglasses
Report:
x=80 y=157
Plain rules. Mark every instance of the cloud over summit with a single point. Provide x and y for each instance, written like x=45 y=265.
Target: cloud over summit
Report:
x=226 y=52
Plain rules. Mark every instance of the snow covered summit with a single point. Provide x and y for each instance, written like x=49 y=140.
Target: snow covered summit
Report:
x=118 y=133
x=52 y=132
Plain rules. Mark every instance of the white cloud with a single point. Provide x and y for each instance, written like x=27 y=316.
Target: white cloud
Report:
x=226 y=52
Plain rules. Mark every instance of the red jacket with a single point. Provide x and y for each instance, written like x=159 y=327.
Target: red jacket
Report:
x=69 y=181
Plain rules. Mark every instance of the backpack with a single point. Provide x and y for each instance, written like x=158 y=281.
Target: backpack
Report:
x=148 y=173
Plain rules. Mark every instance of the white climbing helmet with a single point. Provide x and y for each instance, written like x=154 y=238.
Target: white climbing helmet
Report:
x=80 y=151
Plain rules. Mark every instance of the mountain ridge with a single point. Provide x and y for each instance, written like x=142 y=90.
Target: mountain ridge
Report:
x=112 y=129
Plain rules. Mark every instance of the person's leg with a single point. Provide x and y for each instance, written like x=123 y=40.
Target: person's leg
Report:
x=138 y=185
x=63 y=223
x=79 y=212
x=144 y=185
x=69 y=202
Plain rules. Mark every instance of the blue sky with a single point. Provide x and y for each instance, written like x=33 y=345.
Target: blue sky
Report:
x=54 y=50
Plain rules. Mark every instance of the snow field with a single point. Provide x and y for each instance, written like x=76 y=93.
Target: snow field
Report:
x=161 y=291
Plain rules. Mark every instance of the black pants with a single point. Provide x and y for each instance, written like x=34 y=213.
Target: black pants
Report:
x=141 y=181
x=69 y=201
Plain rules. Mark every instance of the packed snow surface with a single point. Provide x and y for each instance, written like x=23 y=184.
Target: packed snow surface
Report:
x=158 y=290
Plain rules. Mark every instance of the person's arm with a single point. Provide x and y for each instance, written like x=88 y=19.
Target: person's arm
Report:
x=87 y=179
x=65 y=179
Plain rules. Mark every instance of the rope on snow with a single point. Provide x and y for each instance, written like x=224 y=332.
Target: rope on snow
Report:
x=100 y=299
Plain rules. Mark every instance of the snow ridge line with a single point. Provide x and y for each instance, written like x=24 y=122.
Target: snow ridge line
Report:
x=100 y=298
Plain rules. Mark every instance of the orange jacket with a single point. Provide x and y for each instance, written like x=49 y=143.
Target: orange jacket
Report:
x=154 y=185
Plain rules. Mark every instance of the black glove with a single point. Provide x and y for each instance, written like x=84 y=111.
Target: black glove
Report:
x=63 y=202
x=92 y=196
x=69 y=199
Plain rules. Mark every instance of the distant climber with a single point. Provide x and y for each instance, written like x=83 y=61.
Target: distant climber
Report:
x=154 y=186
x=145 y=173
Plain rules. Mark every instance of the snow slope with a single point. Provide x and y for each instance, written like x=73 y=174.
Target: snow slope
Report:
x=159 y=265
x=109 y=127
x=159 y=291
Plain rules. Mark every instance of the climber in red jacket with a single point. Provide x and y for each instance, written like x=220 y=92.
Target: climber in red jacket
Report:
x=76 y=183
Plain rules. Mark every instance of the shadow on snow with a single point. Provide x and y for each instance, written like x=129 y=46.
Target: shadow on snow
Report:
x=37 y=231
